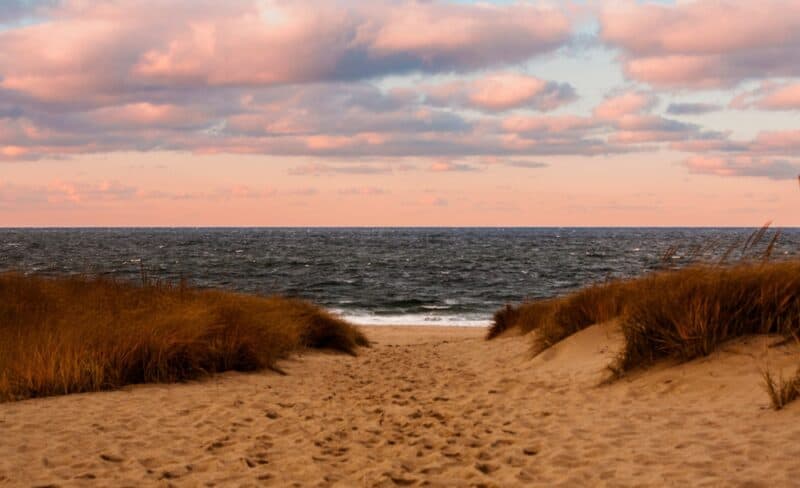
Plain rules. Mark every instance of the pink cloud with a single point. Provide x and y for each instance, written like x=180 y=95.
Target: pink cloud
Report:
x=771 y=154
x=66 y=192
x=675 y=70
x=279 y=78
x=743 y=165
x=619 y=123
x=364 y=190
x=630 y=102
x=22 y=131
x=644 y=136
x=13 y=152
x=781 y=142
x=449 y=166
x=502 y=91
x=539 y=124
x=324 y=142
x=716 y=144
x=328 y=169
x=438 y=33
x=337 y=121
x=432 y=201
x=769 y=96
x=784 y=98
x=516 y=163
x=149 y=115
x=103 y=53
x=705 y=43
x=235 y=192
x=230 y=79
x=88 y=193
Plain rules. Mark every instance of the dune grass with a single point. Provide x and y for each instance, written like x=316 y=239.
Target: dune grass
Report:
x=688 y=313
x=79 y=334
x=679 y=314
x=557 y=318
x=781 y=391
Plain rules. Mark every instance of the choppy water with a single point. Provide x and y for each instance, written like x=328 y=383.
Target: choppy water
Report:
x=384 y=275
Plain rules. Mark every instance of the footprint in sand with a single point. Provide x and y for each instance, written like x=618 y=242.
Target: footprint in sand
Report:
x=111 y=458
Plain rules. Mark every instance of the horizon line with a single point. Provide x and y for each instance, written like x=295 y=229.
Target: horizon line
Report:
x=102 y=227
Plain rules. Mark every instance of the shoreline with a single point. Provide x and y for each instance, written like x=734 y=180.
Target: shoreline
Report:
x=413 y=320
x=412 y=324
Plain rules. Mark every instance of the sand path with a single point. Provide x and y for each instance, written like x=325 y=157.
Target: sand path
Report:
x=424 y=406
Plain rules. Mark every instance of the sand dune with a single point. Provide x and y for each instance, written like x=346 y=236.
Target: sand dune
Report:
x=424 y=406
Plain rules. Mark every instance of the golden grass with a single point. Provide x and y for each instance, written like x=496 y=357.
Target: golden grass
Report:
x=680 y=314
x=688 y=313
x=781 y=391
x=77 y=334
x=557 y=318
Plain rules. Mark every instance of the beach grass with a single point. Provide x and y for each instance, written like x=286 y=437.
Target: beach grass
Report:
x=679 y=314
x=688 y=313
x=781 y=390
x=557 y=318
x=79 y=334
x=682 y=313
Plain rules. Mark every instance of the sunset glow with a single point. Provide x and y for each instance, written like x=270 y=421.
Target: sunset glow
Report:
x=399 y=113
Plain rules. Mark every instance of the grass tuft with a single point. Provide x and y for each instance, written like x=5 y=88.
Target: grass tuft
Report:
x=505 y=319
x=557 y=318
x=78 y=334
x=592 y=305
x=781 y=391
x=688 y=313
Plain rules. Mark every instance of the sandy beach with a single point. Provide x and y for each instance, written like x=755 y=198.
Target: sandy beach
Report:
x=424 y=407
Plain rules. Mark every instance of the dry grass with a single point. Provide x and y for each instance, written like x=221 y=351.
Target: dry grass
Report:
x=781 y=391
x=504 y=319
x=77 y=334
x=688 y=313
x=679 y=314
x=558 y=318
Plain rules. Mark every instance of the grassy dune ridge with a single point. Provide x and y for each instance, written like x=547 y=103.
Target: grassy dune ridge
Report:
x=557 y=318
x=679 y=314
x=79 y=334
x=688 y=313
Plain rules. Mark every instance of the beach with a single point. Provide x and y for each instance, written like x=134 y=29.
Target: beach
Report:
x=414 y=243
x=425 y=406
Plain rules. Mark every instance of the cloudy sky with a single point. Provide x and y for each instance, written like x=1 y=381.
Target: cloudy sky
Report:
x=389 y=112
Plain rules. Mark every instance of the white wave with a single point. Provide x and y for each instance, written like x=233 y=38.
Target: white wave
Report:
x=415 y=319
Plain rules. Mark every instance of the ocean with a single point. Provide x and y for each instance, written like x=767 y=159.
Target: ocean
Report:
x=434 y=276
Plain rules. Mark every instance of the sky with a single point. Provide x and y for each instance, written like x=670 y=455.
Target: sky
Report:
x=399 y=113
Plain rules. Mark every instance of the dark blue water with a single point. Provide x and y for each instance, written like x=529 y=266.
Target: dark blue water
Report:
x=382 y=275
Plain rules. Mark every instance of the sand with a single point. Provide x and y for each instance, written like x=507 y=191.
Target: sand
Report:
x=424 y=406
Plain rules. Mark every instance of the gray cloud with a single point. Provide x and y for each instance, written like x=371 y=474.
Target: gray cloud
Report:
x=774 y=169
x=526 y=164
x=370 y=190
x=692 y=108
x=321 y=169
x=14 y=10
